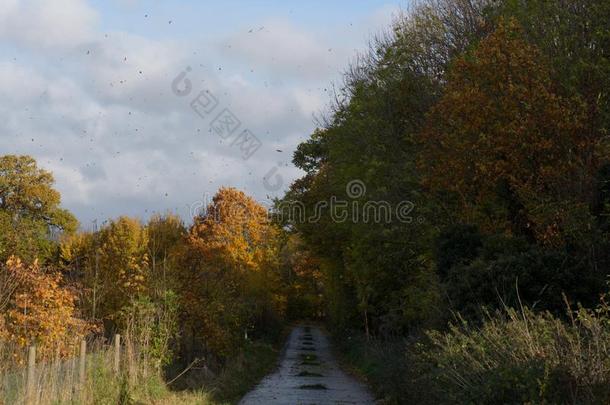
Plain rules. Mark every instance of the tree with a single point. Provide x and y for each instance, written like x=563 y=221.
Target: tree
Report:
x=110 y=265
x=507 y=144
x=30 y=213
x=302 y=275
x=79 y=262
x=123 y=265
x=166 y=239
x=230 y=282
x=42 y=311
x=235 y=232
x=378 y=275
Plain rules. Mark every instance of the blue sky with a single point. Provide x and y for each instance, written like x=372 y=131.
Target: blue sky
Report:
x=86 y=88
x=224 y=16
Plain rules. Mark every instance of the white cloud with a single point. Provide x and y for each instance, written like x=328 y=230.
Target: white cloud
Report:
x=382 y=18
x=124 y=65
x=47 y=24
x=281 y=47
x=79 y=190
x=20 y=84
x=308 y=101
x=119 y=141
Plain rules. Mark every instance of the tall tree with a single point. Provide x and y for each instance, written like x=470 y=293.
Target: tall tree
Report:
x=507 y=144
x=123 y=267
x=230 y=276
x=166 y=239
x=30 y=213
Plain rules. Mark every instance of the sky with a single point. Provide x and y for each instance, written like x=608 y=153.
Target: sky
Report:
x=139 y=107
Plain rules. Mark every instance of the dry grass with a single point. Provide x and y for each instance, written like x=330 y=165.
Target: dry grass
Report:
x=512 y=356
x=57 y=380
x=521 y=354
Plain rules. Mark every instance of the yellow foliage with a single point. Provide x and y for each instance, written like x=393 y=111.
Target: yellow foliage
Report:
x=112 y=264
x=42 y=311
x=230 y=275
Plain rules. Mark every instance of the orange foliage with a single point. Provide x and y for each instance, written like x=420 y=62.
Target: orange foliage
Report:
x=230 y=278
x=234 y=231
x=500 y=123
x=42 y=312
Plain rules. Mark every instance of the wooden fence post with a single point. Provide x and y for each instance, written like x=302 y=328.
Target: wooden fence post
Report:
x=30 y=388
x=117 y=353
x=81 y=366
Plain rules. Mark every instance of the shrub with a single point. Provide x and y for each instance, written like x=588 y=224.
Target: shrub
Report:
x=508 y=266
x=458 y=244
x=41 y=311
x=519 y=357
x=153 y=326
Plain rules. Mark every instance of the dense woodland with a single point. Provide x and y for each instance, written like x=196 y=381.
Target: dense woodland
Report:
x=489 y=116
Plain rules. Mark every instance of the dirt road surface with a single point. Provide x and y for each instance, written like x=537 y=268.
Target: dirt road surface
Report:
x=308 y=374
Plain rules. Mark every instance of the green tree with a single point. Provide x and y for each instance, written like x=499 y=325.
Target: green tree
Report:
x=166 y=243
x=30 y=213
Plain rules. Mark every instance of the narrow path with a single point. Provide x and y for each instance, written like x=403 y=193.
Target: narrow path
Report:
x=308 y=374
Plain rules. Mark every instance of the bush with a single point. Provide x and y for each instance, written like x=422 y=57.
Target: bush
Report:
x=154 y=326
x=40 y=310
x=495 y=282
x=458 y=244
x=507 y=266
x=511 y=357
x=518 y=357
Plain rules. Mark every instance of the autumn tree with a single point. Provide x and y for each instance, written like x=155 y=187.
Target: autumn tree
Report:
x=123 y=263
x=30 y=213
x=230 y=281
x=483 y=125
x=42 y=311
x=111 y=265
x=507 y=144
x=378 y=274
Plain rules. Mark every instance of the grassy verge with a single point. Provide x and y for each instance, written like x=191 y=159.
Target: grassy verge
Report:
x=137 y=383
x=243 y=372
x=511 y=357
x=381 y=364
x=239 y=375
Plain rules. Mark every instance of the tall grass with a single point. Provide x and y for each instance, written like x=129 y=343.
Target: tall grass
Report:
x=138 y=382
x=519 y=356
x=513 y=356
x=57 y=380
x=145 y=353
